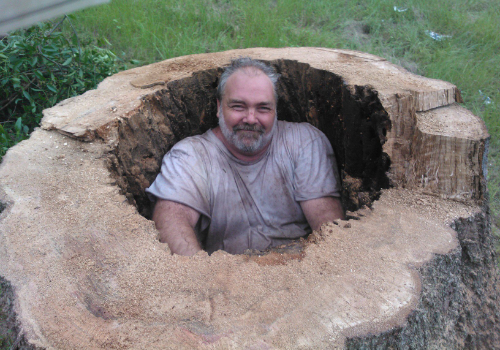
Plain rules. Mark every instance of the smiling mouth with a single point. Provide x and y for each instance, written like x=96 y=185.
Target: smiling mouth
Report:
x=248 y=128
x=250 y=131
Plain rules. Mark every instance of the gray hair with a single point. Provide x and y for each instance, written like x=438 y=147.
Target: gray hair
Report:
x=242 y=63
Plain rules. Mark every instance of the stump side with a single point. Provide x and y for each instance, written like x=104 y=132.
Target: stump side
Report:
x=458 y=308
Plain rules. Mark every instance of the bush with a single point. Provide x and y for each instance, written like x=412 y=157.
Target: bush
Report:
x=41 y=66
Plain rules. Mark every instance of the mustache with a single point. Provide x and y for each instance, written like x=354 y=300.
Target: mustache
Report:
x=248 y=127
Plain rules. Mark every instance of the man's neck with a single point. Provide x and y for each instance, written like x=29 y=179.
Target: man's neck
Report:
x=237 y=153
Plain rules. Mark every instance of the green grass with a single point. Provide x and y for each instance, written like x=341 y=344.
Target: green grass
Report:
x=153 y=30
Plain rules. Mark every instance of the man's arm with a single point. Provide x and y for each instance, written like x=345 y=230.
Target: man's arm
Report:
x=176 y=223
x=321 y=210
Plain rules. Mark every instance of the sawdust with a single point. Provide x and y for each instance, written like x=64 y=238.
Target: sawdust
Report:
x=452 y=121
x=90 y=272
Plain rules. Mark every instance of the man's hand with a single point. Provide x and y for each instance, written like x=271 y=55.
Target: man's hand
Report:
x=176 y=223
x=321 y=210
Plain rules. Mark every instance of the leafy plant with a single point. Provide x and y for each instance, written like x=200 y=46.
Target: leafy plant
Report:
x=41 y=66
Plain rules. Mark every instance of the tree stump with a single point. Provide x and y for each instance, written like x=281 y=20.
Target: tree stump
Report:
x=412 y=268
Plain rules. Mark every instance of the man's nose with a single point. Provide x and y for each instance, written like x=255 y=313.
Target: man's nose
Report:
x=250 y=117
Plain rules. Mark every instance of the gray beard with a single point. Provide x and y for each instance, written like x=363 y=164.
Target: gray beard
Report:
x=245 y=143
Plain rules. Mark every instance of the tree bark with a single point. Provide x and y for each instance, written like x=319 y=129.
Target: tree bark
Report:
x=413 y=267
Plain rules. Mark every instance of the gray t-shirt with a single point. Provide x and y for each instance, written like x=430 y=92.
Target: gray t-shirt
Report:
x=249 y=205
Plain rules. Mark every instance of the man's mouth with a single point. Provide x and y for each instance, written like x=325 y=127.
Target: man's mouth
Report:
x=251 y=128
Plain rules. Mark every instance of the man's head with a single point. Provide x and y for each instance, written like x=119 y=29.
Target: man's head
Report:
x=246 y=103
x=246 y=63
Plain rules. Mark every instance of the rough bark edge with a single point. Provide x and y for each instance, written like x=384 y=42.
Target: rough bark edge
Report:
x=11 y=334
x=458 y=308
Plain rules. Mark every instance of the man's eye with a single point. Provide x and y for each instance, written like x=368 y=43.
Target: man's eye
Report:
x=264 y=109
x=237 y=107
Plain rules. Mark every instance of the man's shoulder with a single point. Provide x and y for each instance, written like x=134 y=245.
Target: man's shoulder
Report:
x=196 y=151
x=299 y=131
x=198 y=143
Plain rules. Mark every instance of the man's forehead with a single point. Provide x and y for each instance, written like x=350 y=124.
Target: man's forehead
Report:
x=247 y=78
x=247 y=73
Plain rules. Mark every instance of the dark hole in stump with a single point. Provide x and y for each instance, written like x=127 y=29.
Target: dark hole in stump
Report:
x=353 y=119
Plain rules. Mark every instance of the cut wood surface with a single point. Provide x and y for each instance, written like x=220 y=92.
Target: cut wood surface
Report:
x=88 y=271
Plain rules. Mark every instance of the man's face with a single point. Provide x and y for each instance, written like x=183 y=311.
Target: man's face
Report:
x=247 y=111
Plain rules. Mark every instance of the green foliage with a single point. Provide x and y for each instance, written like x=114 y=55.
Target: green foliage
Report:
x=11 y=136
x=41 y=66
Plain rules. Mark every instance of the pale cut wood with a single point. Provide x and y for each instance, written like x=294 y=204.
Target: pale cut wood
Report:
x=449 y=152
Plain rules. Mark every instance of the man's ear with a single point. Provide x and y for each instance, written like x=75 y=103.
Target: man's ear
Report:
x=218 y=107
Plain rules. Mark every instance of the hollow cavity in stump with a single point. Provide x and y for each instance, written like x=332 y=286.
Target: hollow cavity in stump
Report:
x=353 y=120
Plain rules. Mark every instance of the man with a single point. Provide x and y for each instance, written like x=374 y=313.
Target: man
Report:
x=253 y=182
